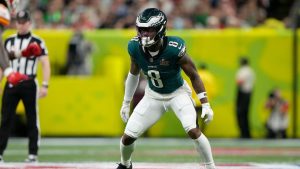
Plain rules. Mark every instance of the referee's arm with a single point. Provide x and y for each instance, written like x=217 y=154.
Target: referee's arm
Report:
x=46 y=75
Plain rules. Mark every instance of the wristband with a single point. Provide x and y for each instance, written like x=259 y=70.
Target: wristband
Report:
x=45 y=84
x=202 y=95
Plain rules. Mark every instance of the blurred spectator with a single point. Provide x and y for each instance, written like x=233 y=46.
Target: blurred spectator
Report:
x=38 y=20
x=201 y=14
x=84 y=22
x=245 y=81
x=53 y=15
x=278 y=120
x=278 y=9
x=78 y=60
x=251 y=14
x=216 y=14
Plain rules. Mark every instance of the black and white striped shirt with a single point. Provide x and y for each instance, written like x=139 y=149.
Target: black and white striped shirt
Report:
x=25 y=65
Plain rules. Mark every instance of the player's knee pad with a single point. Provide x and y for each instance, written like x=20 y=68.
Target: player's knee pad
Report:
x=184 y=109
x=188 y=118
x=134 y=129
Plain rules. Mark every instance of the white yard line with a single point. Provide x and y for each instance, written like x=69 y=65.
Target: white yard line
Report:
x=110 y=165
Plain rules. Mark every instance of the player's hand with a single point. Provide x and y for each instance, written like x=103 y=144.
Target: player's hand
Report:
x=208 y=112
x=43 y=92
x=125 y=109
x=33 y=49
x=15 y=77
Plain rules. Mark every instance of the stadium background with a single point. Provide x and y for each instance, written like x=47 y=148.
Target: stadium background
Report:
x=89 y=105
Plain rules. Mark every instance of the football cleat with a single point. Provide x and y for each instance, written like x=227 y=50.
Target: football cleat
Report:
x=121 y=166
x=31 y=159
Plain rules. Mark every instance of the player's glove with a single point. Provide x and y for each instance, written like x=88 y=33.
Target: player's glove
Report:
x=15 y=77
x=33 y=49
x=125 y=109
x=208 y=112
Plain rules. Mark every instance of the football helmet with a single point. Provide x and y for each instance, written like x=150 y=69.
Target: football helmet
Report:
x=151 y=18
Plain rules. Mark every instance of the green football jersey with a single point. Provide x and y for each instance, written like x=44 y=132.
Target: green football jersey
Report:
x=162 y=70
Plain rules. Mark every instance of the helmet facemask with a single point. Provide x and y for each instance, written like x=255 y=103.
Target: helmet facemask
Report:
x=151 y=20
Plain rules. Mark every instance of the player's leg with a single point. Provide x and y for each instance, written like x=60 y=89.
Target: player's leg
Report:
x=10 y=101
x=127 y=146
x=145 y=114
x=184 y=109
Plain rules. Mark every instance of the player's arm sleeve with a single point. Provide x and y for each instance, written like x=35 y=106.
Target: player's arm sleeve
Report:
x=132 y=79
x=131 y=84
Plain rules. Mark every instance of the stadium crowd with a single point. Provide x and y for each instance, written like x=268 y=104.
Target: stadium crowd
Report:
x=182 y=14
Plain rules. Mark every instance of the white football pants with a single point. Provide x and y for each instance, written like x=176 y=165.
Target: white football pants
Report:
x=149 y=110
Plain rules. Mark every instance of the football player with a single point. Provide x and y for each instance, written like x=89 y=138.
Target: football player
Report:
x=161 y=59
x=12 y=77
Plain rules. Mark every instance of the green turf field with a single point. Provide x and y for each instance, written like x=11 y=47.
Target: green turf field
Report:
x=168 y=150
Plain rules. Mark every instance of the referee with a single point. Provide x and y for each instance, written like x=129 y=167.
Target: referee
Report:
x=25 y=50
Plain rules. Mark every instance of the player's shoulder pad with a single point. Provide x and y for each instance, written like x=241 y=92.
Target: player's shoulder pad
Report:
x=132 y=45
x=177 y=44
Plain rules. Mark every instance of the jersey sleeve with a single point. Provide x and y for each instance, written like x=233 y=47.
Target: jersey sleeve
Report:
x=132 y=46
x=177 y=45
x=181 y=48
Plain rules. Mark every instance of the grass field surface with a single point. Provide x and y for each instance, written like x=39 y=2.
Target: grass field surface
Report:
x=167 y=153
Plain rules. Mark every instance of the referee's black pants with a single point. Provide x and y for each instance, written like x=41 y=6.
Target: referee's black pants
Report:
x=242 y=108
x=27 y=92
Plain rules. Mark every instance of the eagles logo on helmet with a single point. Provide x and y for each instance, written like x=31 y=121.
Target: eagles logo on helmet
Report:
x=151 y=18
